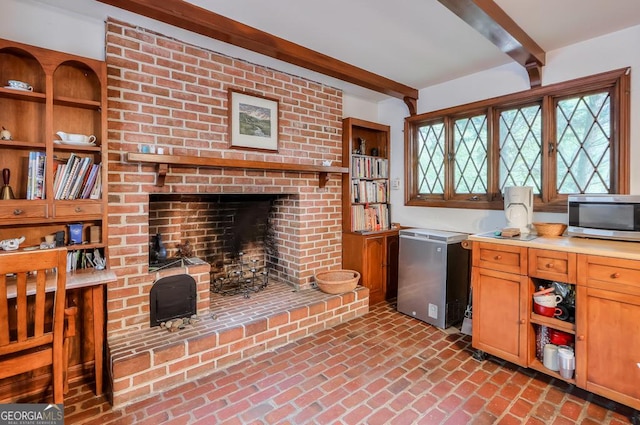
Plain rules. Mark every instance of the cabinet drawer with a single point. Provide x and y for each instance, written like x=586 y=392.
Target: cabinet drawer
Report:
x=552 y=265
x=77 y=208
x=506 y=258
x=611 y=273
x=25 y=210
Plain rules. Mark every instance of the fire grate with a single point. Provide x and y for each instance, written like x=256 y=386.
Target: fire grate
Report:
x=241 y=277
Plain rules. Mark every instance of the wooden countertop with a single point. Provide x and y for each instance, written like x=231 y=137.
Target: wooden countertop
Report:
x=605 y=248
x=79 y=279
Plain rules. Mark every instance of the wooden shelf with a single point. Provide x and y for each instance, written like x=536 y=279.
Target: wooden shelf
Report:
x=537 y=365
x=550 y=322
x=164 y=161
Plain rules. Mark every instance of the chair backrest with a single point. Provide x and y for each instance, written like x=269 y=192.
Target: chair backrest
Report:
x=25 y=279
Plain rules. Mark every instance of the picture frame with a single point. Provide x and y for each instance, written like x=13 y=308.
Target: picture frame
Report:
x=253 y=121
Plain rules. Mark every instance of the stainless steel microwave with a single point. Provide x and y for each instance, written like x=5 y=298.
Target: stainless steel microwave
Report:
x=605 y=216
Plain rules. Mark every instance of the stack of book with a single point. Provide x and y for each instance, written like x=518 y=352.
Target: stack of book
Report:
x=365 y=191
x=369 y=218
x=77 y=178
x=35 y=175
x=367 y=167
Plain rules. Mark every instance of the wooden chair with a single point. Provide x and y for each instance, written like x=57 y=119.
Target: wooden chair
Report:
x=32 y=330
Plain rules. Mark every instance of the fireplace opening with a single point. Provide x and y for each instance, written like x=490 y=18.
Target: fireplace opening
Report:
x=228 y=231
x=172 y=297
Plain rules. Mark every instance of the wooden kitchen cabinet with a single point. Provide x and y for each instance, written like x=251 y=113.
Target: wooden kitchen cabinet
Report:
x=608 y=336
x=607 y=309
x=500 y=306
x=375 y=256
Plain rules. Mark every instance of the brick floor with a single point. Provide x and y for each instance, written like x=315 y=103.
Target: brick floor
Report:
x=362 y=372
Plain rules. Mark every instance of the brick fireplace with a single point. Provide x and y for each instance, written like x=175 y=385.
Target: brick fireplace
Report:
x=166 y=93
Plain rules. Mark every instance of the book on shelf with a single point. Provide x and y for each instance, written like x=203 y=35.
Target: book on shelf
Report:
x=368 y=167
x=36 y=175
x=80 y=178
x=96 y=191
x=91 y=179
x=76 y=178
x=368 y=218
x=365 y=191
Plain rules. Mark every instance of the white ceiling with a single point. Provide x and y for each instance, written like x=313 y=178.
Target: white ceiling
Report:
x=418 y=43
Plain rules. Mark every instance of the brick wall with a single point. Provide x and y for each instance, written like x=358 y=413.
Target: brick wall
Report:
x=166 y=93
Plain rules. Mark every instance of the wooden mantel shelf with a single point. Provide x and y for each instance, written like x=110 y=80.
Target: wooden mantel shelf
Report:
x=164 y=161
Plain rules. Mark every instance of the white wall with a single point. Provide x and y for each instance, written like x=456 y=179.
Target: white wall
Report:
x=612 y=51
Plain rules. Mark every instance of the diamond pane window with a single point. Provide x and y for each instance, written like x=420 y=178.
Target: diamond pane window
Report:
x=431 y=144
x=520 y=148
x=470 y=147
x=583 y=144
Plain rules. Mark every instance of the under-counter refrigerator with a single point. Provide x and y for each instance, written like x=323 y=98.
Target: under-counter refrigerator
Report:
x=433 y=276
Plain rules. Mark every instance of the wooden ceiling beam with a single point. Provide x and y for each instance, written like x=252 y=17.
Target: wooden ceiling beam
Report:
x=196 y=19
x=494 y=24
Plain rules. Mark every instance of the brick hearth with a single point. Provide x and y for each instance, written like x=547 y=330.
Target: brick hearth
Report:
x=152 y=360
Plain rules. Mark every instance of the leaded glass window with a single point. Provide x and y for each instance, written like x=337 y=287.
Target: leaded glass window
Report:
x=561 y=139
x=431 y=154
x=584 y=144
x=520 y=135
x=470 y=147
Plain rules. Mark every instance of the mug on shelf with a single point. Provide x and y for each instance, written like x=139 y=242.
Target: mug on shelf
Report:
x=548 y=311
x=548 y=300
x=20 y=85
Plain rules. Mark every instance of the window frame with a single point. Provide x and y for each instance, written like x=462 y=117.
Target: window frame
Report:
x=616 y=81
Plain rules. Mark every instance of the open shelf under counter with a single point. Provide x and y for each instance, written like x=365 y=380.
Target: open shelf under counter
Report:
x=89 y=277
x=163 y=162
x=550 y=322
x=537 y=365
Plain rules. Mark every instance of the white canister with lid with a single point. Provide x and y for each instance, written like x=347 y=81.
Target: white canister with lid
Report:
x=550 y=358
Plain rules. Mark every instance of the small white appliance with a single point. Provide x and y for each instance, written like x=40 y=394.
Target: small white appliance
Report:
x=518 y=207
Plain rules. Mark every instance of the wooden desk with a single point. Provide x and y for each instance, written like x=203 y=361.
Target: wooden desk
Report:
x=93 y=282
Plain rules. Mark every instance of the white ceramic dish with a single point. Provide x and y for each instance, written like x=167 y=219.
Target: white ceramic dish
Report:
x=15 y=88
x=68 y=142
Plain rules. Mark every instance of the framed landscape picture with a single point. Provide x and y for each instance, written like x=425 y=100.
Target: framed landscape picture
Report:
x=253 y=121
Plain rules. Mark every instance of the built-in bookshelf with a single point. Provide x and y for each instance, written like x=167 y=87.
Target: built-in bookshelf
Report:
x=369 y=193
x=369 y=242
x=366 y=149
x=54 y=181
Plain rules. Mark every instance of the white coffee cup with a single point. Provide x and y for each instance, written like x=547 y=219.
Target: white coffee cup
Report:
x=550 y=357
x=550 y=300
x=81 y=138
x=20 y=85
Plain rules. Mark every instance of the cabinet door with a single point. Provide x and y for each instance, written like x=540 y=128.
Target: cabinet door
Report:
x=393 y=248
x=608 y=325
x=609 y=345
x=374 y=276
x=499 y=314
